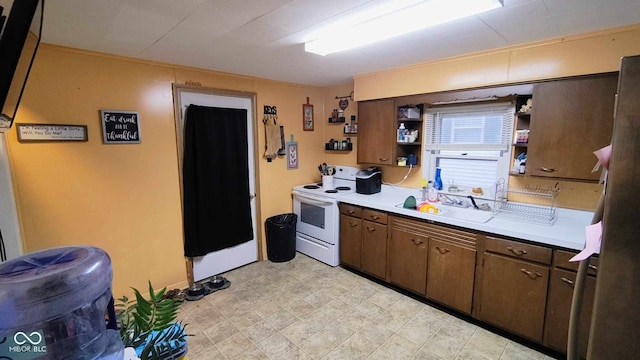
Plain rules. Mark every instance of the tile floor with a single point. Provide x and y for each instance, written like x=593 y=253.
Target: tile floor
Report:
x=304 y=309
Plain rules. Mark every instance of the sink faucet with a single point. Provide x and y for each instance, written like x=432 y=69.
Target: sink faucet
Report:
x=454 y=202
x=473 y=202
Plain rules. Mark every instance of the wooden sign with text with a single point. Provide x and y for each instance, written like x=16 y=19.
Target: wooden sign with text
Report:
x=51 y=132
x=120 y=127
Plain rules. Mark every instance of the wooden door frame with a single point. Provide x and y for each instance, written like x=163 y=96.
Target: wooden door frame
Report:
x=178 y=89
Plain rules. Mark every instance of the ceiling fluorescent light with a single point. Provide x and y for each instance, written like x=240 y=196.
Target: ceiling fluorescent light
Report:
x=400 y=17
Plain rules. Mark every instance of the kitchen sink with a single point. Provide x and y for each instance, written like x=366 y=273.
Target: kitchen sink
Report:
x=468 y=214
x=458 y=213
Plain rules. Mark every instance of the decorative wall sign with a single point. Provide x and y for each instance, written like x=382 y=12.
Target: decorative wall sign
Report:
x=51 y=132
x=307 y=116
x=120 y=127
x=292 y=154
x=274 y=135
x=344 y=103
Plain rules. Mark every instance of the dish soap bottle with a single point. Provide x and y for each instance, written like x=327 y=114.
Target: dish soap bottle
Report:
x=432 y=193
x=401 y=132
x=438 y=182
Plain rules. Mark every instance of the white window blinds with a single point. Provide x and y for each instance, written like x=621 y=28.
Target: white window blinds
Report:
x=470 y=127
x=468 y=172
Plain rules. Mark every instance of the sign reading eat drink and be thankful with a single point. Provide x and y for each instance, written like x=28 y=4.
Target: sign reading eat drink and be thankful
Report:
x=120 y=127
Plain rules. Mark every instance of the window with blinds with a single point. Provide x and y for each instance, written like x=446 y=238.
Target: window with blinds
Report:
x=470 y=127
x=470 y=143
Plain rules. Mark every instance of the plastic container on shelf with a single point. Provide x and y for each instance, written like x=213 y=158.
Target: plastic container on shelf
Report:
x=522 y=136
x=522 y=167
x=63 y=294
x=408 y=113
x=402 y=132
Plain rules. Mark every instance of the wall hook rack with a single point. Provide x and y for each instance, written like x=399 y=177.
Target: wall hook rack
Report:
x=270 y=113
x=344 y=103
x=350 y=97
x=270 y=110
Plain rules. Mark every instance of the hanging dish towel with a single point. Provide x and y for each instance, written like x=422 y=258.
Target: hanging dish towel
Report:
x=272 y=134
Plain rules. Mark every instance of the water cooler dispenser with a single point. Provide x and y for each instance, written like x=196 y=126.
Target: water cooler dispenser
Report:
x=57 y=304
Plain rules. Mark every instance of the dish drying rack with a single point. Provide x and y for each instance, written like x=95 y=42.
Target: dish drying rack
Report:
x=545 y=213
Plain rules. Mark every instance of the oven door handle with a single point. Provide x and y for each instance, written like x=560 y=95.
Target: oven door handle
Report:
x=313 y=200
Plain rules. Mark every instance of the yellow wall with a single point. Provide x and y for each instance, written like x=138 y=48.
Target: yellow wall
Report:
x=576 y=55
x=126 y=198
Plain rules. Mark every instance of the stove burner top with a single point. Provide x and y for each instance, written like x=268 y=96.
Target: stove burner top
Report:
x=343 y=188
x=331 y=191
x=311 y=187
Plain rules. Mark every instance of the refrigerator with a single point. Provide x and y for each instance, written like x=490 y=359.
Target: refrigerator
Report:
x=615 y=321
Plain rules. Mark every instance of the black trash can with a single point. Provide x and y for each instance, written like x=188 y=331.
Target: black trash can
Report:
x=281 y=237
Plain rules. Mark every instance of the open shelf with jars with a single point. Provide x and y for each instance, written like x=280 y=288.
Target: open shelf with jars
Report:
x=408 y=135
x=339 y=145
x=352 y=127
x=522 y=123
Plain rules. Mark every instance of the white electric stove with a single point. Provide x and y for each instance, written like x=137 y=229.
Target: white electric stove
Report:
x=318 y=226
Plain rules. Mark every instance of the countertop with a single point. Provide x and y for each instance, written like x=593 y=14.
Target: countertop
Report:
x=568 y=231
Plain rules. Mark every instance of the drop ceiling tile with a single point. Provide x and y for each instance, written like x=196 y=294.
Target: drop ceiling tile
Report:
x=257 y=33
x=301 y=15
x=75 y=23
x=525 y=22
x=575 y=16
x=139 y=26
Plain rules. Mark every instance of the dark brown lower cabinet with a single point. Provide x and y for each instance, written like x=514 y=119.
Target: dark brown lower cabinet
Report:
x=363 y=239
x=523 y=288
x=350 y=241
x=450 y=274
x=558 y=311
x=514 y=295
x=408 y=255
x=374 y=248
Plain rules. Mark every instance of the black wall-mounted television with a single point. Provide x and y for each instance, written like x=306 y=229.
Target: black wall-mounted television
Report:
x=20 y=32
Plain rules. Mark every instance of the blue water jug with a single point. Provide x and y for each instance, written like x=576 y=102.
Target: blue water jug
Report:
x=55 y=301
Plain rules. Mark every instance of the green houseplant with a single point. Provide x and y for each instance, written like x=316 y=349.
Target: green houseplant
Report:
x=149 y=325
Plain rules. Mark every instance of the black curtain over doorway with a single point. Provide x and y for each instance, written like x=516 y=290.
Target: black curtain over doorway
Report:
x=217 y=209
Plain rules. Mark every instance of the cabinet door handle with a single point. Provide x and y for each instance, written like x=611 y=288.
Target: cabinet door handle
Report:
x=384 y=159
x=375 y=217
x=567 y=281
x=371 y=229
x=593 y=267
x=442 y=250
x=352 y=224
x=417 y=241
x=548 y=170
x=517 y=252
x=532 y=275
x=350 y=212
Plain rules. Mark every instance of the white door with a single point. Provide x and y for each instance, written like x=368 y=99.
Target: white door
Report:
x=224 y=260
x=8 y=215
